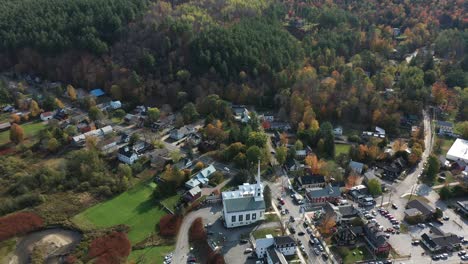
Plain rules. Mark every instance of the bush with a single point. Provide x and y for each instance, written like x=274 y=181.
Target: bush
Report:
x=169 y=225
x=343 y=252
x=26 y=200
x=19 y=224
x=112 y=248
x=197 y=231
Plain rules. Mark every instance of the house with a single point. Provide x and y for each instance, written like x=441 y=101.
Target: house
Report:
x=5 y=126
x=192 y=194
x=393 y=170
x=60 y=114
x=244 y=206
x=47 y=116
x=378 y=133
x=439 y=241
x=347 y=235
x=127 y=155
x=115 y=104
x=274 y=256
x=201 y=178
x=98 y=133
x=375 y=239
x=310 y=181
x=341 y=213
x=445 y=128
x=458 y=151
x=183 y=164
x=178 y=134
x=241 y=114
x=426 y=211
x=160 y=158
x=338 y=131
x=276 y=125
x=267 y=117
x=356 y=167
x=285 y=245
x=194 y=139
x=322 y=195
x=97 y=92
x=301 y=154
x=462 y=207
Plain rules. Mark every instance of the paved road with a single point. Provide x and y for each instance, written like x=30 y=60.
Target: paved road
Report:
x=182 y=248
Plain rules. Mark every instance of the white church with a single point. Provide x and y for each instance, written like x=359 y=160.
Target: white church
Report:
x=244 y=206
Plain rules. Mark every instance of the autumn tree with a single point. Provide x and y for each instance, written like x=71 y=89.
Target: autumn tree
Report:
x=16 y=133
x=71 y=92
x=313 y=162
x=439 y=92
x=58 y=103
x=326 y=224
x=281 y=154
x=352 y=180
x=34 y=108
x=14 y=118
x=53 y=145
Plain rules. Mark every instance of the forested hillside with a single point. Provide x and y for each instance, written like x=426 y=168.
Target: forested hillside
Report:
x=330 y=60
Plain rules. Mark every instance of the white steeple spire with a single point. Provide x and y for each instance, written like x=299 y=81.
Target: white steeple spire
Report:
x=258 y=186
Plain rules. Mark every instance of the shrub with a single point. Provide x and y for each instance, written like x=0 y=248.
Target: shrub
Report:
x=19 y=224
x=169 y=225
x=197 y=231
x=112 y=248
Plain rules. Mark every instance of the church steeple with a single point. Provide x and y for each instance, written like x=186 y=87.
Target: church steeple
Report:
x=258 y=186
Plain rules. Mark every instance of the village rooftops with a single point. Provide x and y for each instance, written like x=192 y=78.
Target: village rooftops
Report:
x=421 y=206
x=241 y=204
x=327 y=191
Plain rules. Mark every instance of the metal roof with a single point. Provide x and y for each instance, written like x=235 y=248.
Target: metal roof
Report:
x=243 y=204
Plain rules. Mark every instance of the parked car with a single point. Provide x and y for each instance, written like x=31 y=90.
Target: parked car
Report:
x=421 y=225
x=446 y=218
x=244 y=241
x=462 y=253
x=316 y=251
x=311 y=242
x=415 y=242
x=292 y=230
x=394 y=206
x=248 y=250
x=435 y=257
x=301 y=233
x=291 y=219
x=325 y=256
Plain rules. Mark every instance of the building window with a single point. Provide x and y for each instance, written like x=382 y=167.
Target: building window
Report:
x=261 y=213
x=254 y=216
x=241 y=218
x=233 y=218
x=247 y=217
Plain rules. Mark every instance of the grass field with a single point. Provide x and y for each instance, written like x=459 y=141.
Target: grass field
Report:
x=30 y=130
x=6 y=248
x=134 y=208
x=150 y=255
x=352 y=256
x=341 y=148
x=261 y=233
x=446 y=144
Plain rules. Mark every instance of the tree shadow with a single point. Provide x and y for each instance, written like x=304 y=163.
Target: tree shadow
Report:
x=145 y=206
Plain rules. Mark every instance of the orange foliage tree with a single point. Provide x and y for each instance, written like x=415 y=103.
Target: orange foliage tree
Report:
x=197 y=231
x=169 y=225
x=19 y=224
x=112 y=248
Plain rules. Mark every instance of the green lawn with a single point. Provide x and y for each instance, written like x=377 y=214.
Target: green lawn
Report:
x=272 y=217
x=341 y=148
x=353 y=255
x=171 y=202
x=261 y=233
x=133 y=208
x=30 y=130
x=150 y=255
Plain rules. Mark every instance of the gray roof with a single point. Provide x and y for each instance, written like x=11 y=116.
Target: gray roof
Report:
x=356 y=166
x=423 y=207
x=444 y=123
x=243 y=204
x=276 y=256
x=327 y=191
x=284 y=240
x=412 y=212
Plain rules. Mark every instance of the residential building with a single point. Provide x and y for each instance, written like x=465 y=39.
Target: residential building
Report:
x=97 y=92
x=194 y=139
x=244 y=206
x=462 y=207
x=439 y=241
x=47 y=116
x=108 y=144
x=178 y=134
x=201 y=178
x=458 y=151
x=445 y=128
x=241 y=113
x=378 y=133
x=356 y=167
x=425 y=210
x=274 y=256
x=311 y=181
x=323 y=195
x=127 y=155
x=285 y=245
x=347 y=235
x=338 y=131
x=98 y=133
x=341 y=213
x=301 y=154
x=115 y=104
x=375 y=239
x=192 y=194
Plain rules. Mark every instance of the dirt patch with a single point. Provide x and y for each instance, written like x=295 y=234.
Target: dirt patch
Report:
x=54 y=242
x=86 y=199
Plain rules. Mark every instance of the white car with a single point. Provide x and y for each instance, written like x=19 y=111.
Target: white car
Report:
x=421 y=225
x=248 y=250
x=227 y=169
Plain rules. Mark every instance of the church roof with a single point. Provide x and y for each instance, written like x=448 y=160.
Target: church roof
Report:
x=241 y=204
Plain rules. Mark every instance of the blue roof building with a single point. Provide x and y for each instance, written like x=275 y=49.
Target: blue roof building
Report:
x=97 y=92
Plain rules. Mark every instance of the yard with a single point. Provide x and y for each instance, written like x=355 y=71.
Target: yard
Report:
x=341 y=148
x=357 y=254
x=171 y=202
x=30 y=130
x=134 y=208
x=150 y=255
x=445 y=144
x=261 y=233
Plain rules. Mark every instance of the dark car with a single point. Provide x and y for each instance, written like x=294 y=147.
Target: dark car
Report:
x=292 y=230
x=394 y=206
x=311 y=242
x=291 y=219
x=301 y=233
x=305 y=225
x=324 y=256
x=244 y=241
